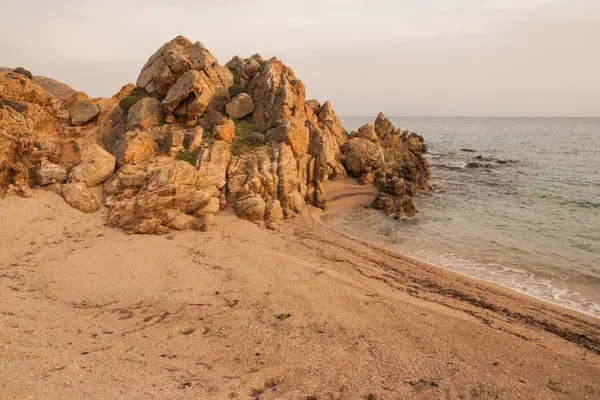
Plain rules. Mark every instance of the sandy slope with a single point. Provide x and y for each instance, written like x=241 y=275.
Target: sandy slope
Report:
x=89 y=312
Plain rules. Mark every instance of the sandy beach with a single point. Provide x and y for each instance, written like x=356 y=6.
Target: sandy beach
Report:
x=242 y=312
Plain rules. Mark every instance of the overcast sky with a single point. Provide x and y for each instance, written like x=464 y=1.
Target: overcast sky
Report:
x=403 y=57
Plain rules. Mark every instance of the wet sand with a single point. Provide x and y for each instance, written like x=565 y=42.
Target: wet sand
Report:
x=87 y=311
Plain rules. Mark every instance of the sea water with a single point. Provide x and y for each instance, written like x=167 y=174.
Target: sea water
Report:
x=532 y=225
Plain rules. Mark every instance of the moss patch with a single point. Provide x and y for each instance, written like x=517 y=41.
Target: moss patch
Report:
x=248 y=136
x=15 y=105
x=134 y=96
x=188 y=156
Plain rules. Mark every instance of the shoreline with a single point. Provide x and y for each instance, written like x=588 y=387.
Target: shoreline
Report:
x=352 y=191
x=242 y=312
x=367 y=196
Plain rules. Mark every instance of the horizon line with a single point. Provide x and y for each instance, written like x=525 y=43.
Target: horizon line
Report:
x=463 y=116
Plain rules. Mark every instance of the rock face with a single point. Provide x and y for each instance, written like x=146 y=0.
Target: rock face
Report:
x=266 y=180
x=29 y=131
x=154 y=198
x=135 y=147
x=78 y=196
x=277 y=94
x=194 y=137
x=83 y=112
x=144 y=114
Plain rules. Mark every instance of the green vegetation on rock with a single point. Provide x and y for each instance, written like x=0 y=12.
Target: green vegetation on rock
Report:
x=188 y=156
x=248 y=136
x=134 y=96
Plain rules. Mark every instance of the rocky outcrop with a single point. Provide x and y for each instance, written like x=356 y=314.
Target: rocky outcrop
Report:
x=277 y=94
x=194 y=137
x=392 y=159
x=187 y=78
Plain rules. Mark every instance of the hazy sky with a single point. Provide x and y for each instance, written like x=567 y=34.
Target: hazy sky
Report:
x=403 y=57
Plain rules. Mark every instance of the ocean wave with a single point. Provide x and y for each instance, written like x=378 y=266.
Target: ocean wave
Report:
x=551 y=289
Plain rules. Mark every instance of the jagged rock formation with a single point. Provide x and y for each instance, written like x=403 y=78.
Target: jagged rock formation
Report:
x=392 y=159
x=193 y=138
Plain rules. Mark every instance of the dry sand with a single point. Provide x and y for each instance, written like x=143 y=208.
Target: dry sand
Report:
x=87 y=312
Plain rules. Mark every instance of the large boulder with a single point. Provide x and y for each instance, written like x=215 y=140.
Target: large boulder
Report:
x=78 y=196
x=144 y=114
x=240 y=107
x=97 y=166
x=251 y=208
x=47 y=173
x=367 y=131
x=175 y=59
x=189 y=96
x=83 y=112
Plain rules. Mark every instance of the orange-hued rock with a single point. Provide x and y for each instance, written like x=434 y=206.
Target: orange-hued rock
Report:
x=186 y=77
x=144 y=114
x=277 y=94
x=83 y=112
x=225 y=131
x=179 y=160
x=293 y=132
x=97 y=166
x=240 y=107
x=78 y=196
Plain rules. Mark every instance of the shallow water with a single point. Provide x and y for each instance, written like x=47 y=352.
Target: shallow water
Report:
x=532 y=225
